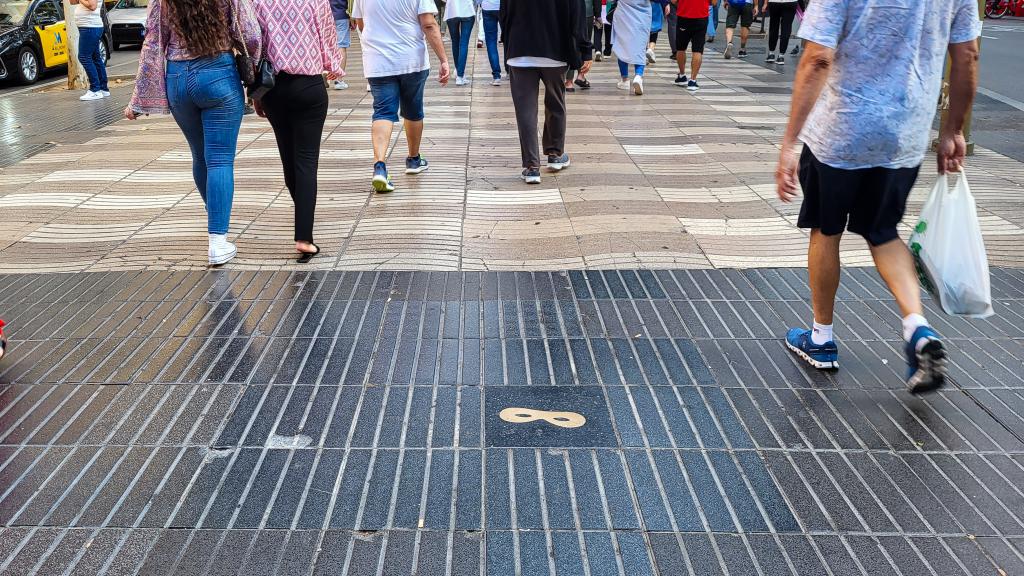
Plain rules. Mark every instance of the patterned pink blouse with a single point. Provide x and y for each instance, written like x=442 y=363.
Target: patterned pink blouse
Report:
x=299 y=36
x=162 y=44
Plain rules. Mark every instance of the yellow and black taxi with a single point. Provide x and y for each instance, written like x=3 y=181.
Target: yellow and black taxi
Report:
x=34 y=40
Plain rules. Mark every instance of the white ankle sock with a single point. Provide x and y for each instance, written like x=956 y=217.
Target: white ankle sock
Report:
x=911 y=323
x=821 y=333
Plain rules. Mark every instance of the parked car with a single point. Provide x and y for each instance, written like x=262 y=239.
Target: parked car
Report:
x=33 y=39
x=128 y=22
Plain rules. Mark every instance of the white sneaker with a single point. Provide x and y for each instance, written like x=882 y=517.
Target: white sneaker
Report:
x=496 y=82
x=90 y=95
x=460 y=81
x=221 y=251
x=623 y=85
x=651 y=57
x=105 y=93
x=638 y=85
x=340 y=85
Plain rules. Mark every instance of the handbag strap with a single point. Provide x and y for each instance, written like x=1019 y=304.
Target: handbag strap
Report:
x=237 y=25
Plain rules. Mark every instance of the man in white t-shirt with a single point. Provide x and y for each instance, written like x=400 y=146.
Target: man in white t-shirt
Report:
x=863 y=104
x=394 y=36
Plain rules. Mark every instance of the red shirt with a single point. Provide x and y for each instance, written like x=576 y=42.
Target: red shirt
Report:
x=693 y=9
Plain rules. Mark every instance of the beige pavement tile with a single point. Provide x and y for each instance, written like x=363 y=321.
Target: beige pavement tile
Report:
x=668 y=180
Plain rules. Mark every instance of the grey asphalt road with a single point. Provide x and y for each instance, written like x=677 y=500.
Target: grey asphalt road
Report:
x=998 y=119
x=122 y=62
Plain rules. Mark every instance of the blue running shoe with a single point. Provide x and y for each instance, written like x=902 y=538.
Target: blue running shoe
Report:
x=381 y=181
x=416 y=165
x=823 y=357
x=926 y=361
x=557 y=163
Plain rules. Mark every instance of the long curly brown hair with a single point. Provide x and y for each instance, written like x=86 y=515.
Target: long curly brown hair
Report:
x=202 y=23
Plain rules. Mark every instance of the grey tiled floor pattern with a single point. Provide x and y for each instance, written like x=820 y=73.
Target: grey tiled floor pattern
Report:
x=243 y=422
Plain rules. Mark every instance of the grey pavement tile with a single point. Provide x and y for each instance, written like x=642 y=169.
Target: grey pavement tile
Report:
x=344 y=423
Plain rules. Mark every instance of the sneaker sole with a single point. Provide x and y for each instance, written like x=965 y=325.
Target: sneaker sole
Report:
x=931 y=371
x=381 y=185
x=638 y=89
x=558 y=167
x=728 y=54
x=416 y=170
x=221 y=260
x=531 y=179
x=693 y=88
x=834 y=365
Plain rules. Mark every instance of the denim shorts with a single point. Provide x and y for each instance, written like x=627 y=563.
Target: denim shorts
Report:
x=405 y=92
x=344 y=33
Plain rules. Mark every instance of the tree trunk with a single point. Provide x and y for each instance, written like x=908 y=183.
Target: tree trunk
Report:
x=77 y=79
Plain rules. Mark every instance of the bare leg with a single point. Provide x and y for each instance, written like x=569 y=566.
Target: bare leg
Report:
x=381 y=132
x=414 y=135
x=681 y=61
x=744 y=34
x=698 y=58
x=728 y=35
x=823 y=269
x=896 y=266
x=344 y=58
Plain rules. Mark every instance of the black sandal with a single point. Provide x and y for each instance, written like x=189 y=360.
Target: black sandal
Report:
x=570 y=89
x=584 y=84
x=307 y=256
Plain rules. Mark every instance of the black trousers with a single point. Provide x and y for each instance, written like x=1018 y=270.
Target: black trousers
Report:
x=605 y=32
x=781 y=14
x=525 y=89
x=297 y=110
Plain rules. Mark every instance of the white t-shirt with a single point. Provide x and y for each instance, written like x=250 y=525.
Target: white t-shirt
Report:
x=880 y=97
x=392 y=40
x=534 y=62
x=491 y=5
x=460 y=9
x=85 y=18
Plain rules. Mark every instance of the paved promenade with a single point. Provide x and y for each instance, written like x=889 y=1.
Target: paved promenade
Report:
x=479 y=378
x=667 y=180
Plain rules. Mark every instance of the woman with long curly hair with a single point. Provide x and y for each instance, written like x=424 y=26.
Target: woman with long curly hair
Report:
x=187 y=67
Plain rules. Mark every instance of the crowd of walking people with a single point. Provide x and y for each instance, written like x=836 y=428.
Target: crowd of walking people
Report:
x=863 y=121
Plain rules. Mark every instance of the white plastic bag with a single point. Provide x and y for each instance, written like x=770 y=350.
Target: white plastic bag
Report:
x=949 y=250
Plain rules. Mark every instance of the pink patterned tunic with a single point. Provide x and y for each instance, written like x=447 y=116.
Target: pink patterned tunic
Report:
x=300 y=36
x=162 y=44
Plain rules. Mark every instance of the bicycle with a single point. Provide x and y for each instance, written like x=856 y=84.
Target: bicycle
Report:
x=998 y=8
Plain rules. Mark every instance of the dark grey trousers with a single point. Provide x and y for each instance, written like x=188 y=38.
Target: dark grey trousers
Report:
x=525 y=89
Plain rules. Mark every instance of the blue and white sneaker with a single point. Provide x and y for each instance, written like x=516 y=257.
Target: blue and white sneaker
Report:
x=557 y=163
x=416 y=165
x=926 y=361
x=381 y=181
x=823 y=357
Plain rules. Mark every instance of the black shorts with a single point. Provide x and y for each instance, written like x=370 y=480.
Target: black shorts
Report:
x=867 y=201
x=744 y=14
x=691 y=31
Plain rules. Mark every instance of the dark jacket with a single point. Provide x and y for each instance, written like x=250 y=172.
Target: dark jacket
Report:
x=554 y=29
x=340 y=9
